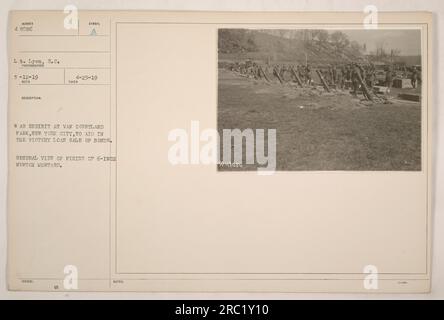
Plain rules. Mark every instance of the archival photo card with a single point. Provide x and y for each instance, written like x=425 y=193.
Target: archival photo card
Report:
x=219 y=151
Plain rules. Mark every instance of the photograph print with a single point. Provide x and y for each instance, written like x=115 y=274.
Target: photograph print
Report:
x=319 y=100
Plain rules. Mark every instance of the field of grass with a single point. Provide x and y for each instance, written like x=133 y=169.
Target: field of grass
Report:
x=318 y=131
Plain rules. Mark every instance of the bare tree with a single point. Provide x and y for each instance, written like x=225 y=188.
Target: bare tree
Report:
x=339 y=40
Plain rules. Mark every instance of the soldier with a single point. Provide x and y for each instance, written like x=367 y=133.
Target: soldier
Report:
x=283 y=71
x=308 y=74
x=414 y=77
x=254 y=71
x=301 y=73
x=250 y=72
x=389 y=79
x=344 y=76
x=349 y=73
x=278 y=69
x=340 y=78
x=243 y=68
x=258 y=71
x=355 y=74
x=370 y=78
x=329 y=75
x=362 y=73
x=334 y=74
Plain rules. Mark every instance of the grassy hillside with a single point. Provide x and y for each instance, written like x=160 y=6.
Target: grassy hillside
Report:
x=238 y=44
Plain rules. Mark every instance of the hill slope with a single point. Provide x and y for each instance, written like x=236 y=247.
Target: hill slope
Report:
x=241 y=44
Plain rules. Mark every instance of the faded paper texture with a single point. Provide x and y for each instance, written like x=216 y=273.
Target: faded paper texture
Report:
x=97 y=200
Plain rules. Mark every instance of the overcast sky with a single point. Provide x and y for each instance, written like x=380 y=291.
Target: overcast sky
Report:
x=408 y=41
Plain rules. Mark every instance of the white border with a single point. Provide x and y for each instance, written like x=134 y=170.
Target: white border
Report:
x=436 y=6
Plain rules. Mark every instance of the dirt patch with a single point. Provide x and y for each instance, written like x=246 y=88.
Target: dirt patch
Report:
x=317 y=130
